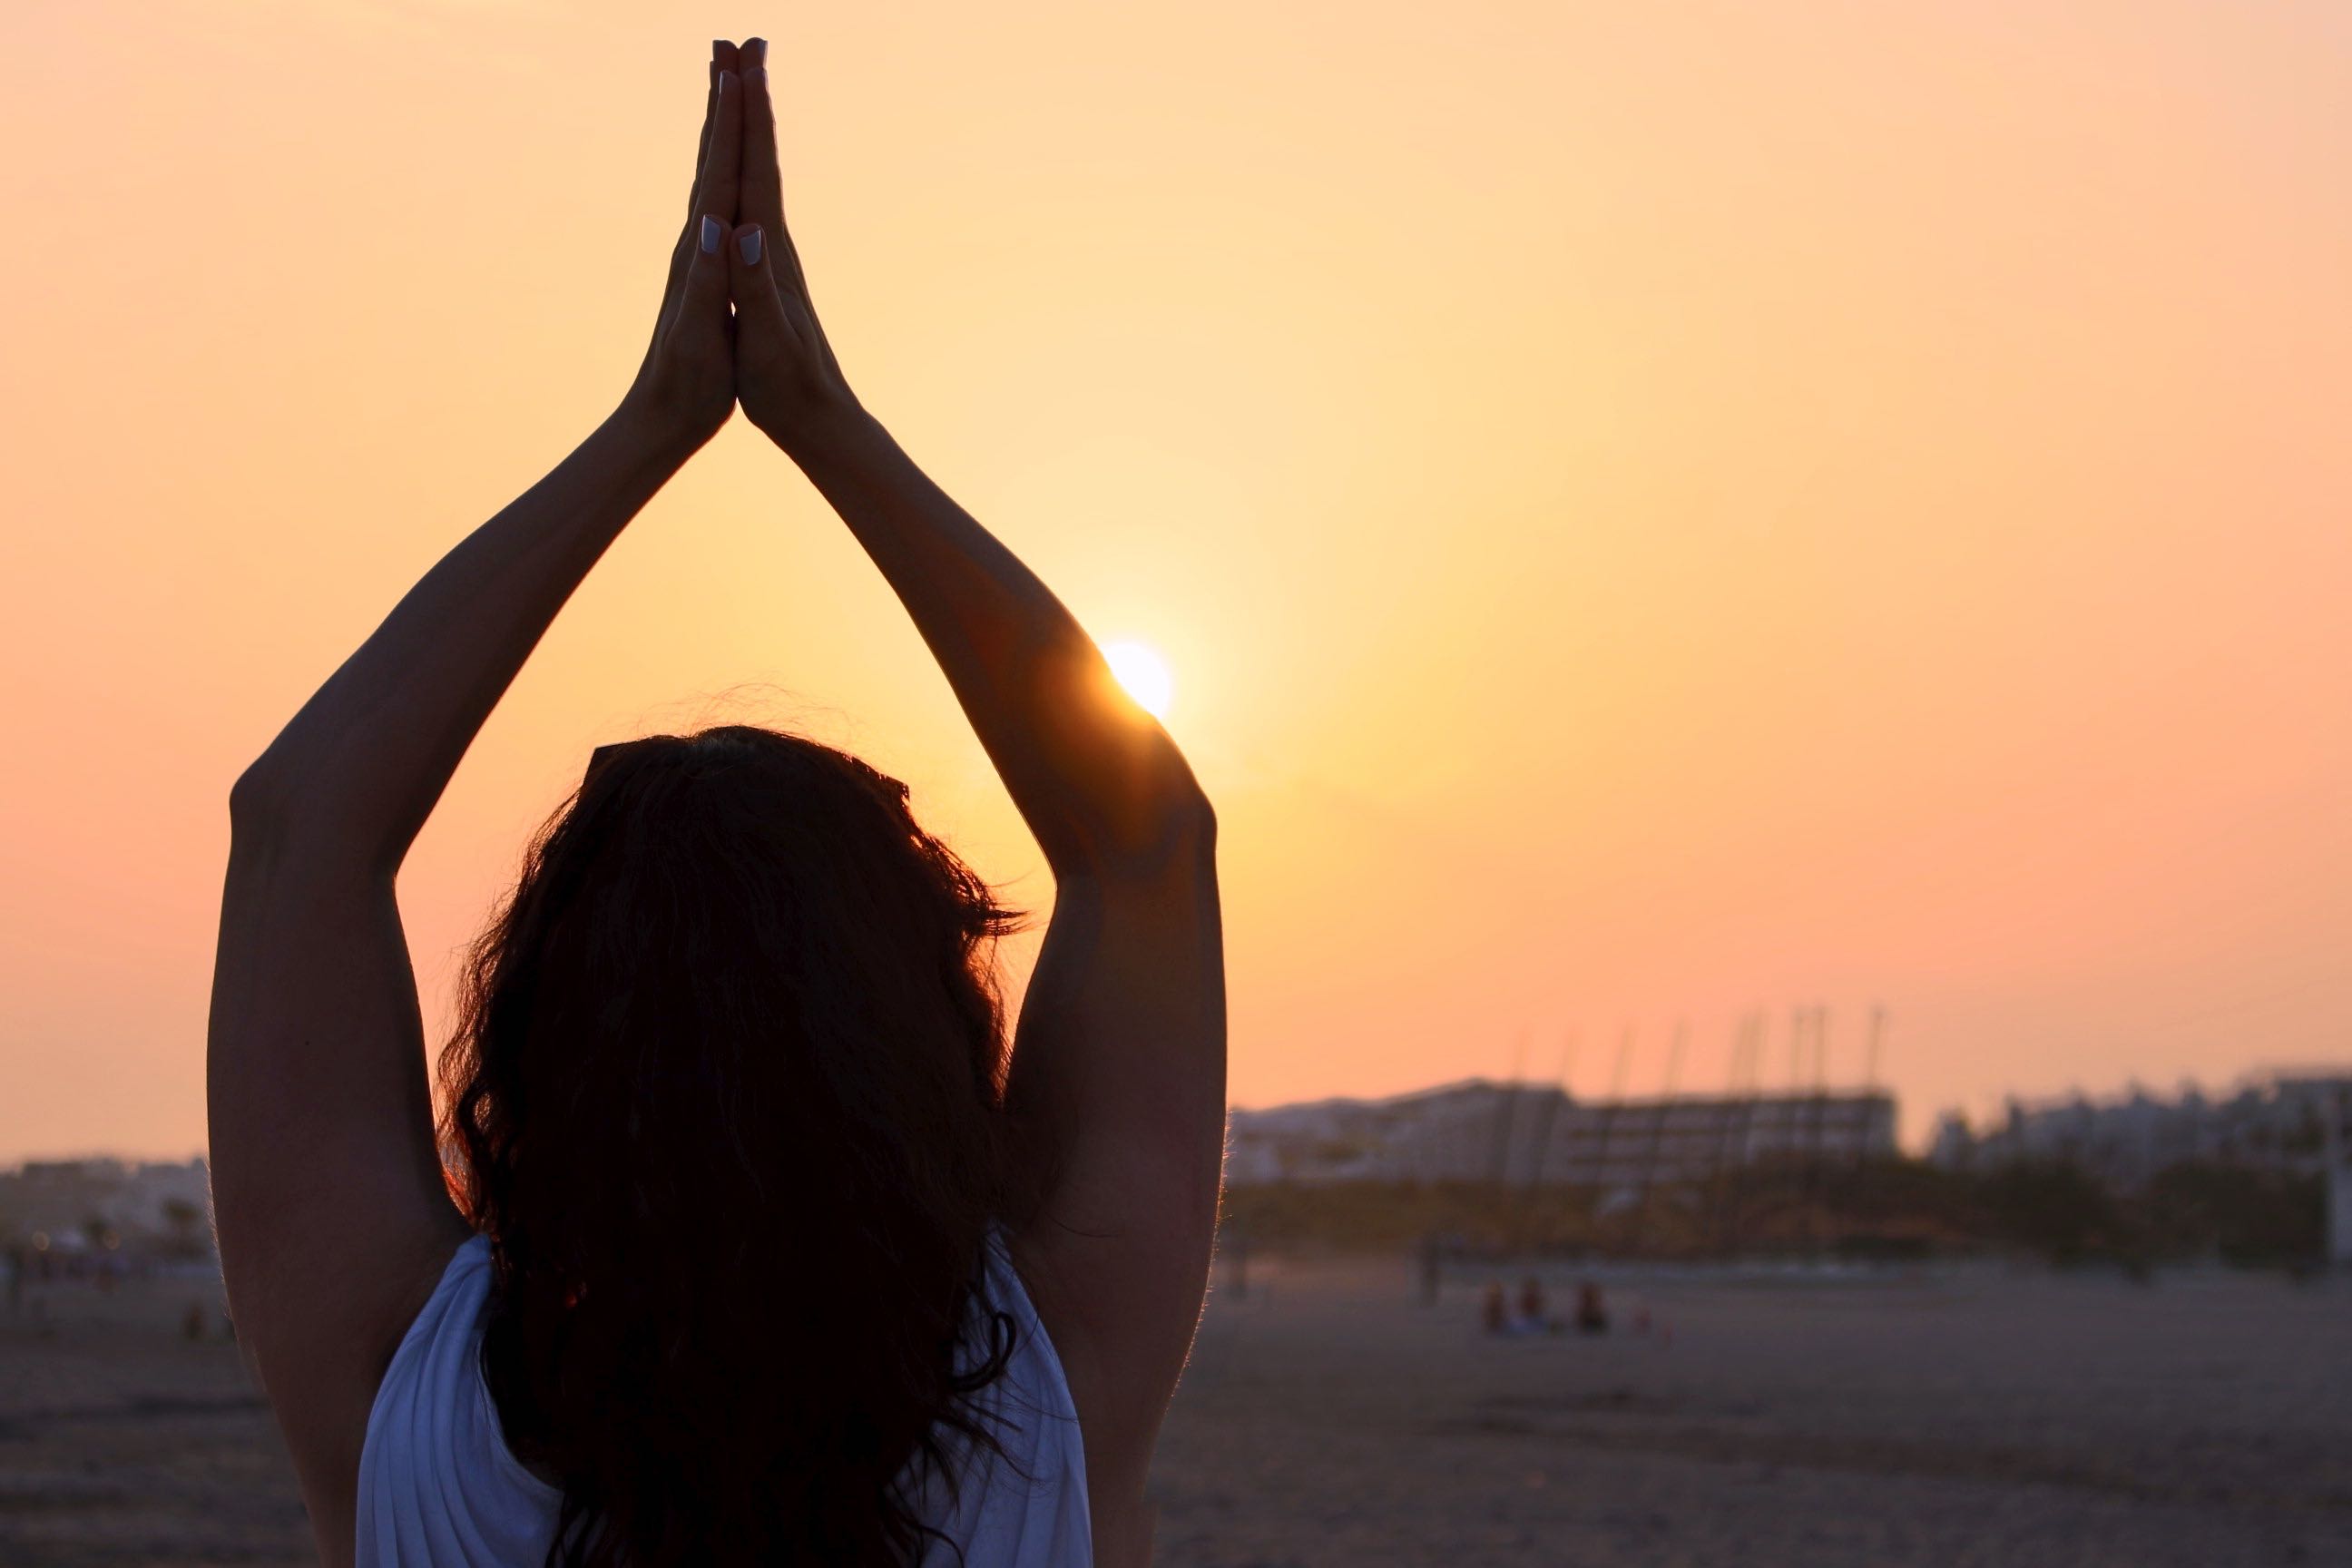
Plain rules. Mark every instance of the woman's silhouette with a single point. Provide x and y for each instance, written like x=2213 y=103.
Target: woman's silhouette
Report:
x=745 y=1237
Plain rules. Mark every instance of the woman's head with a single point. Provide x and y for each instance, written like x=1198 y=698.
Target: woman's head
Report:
x=726 y=1095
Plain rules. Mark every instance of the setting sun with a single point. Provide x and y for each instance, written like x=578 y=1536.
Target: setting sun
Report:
x=1143 y=674
x=1666 y=721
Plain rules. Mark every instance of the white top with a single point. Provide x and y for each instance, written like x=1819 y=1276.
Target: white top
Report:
x=440 y=1489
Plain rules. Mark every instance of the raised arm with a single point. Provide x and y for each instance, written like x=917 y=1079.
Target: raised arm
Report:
x=333 y=1219
x=1097 y=779
x=366 y=758
x=1120 y=1054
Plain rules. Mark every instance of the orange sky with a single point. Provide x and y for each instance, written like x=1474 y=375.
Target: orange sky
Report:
x=1652 y=509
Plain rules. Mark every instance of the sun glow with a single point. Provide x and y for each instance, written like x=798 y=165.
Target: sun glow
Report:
x=1144 y=676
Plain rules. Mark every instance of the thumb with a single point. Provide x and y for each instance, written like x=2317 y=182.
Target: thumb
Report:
x=704 y=297
x=752 y=278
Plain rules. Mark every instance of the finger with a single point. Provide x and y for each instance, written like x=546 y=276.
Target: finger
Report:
x=723 y=54
x=751 y=282
x=697 y=326
x=702 y=302
x=724 y=58
x=715 y=189
x=763 y=186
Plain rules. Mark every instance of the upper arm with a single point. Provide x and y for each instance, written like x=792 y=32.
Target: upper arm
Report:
x=1120 y=1060
x=332 y=1216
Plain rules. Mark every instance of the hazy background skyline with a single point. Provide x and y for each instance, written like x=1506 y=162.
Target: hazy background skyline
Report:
x=1651 y=512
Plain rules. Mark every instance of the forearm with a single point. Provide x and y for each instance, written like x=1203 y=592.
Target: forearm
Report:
x=1097 y=779
x=360 y=767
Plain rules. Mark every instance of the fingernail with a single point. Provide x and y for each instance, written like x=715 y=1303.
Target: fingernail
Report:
x=713 y=231
x=749 y=246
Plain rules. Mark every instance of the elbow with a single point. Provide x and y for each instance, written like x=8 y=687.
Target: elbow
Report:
x=1168 y=827
x=291 y=805
x=269 y=804
x=1193 y=821
x=277 y=804
x=256 y=801
x=259 y=826
x=1163 y=808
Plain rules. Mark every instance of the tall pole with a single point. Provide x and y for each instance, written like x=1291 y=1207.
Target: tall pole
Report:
x=1799 y=1023
x=1551 y=1108
x=1813 y=1187
x=1609 y=1107
x=1747 y=1073
x=1870 y=1083
x=1505 y=1111
x=1821 y=1078
x=1711 y=1211
x=1548 y=1111
x=1658 y=1115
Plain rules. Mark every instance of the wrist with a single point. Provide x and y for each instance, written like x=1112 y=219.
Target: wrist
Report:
x=654 y=433
x=819 y=429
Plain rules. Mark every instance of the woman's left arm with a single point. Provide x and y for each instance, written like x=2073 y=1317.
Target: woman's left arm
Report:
x=333 y=1217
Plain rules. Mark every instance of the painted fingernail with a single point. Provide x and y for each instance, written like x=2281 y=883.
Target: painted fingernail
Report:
x=749 y=246
x=713 y=231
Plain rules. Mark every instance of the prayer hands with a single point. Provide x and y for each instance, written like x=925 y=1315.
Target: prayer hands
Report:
x=772 y=355
x=687 y=383
x=785 y=375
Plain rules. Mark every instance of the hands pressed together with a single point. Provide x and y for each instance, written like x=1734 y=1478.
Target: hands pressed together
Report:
x=769 y=352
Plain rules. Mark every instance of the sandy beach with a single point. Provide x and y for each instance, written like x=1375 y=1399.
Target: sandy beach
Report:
x=1975 y=1417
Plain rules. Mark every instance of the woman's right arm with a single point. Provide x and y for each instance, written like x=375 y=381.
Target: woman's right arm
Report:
x=1120 y=1055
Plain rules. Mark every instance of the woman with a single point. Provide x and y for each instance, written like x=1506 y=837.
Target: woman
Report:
x=752 y=1241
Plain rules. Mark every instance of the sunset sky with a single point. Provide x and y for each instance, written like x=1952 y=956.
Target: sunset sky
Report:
x=1652 y=510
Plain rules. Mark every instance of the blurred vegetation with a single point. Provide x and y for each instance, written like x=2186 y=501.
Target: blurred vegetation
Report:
x=1886 y=1210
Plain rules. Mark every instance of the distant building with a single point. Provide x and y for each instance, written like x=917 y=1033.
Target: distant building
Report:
x=2272 y=1121
x=58 y=1200
x=1539 y=1136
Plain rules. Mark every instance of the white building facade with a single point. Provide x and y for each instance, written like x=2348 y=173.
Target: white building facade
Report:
x=1538 y=1135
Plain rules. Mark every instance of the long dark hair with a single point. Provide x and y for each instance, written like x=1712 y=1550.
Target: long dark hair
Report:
x=726 y=1095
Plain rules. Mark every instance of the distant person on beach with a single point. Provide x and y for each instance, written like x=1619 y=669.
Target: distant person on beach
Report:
x=1531 y=1302
x=1501 y=1318
x=1494 y=1311
x=1591 y=1312
x=746 y=1235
